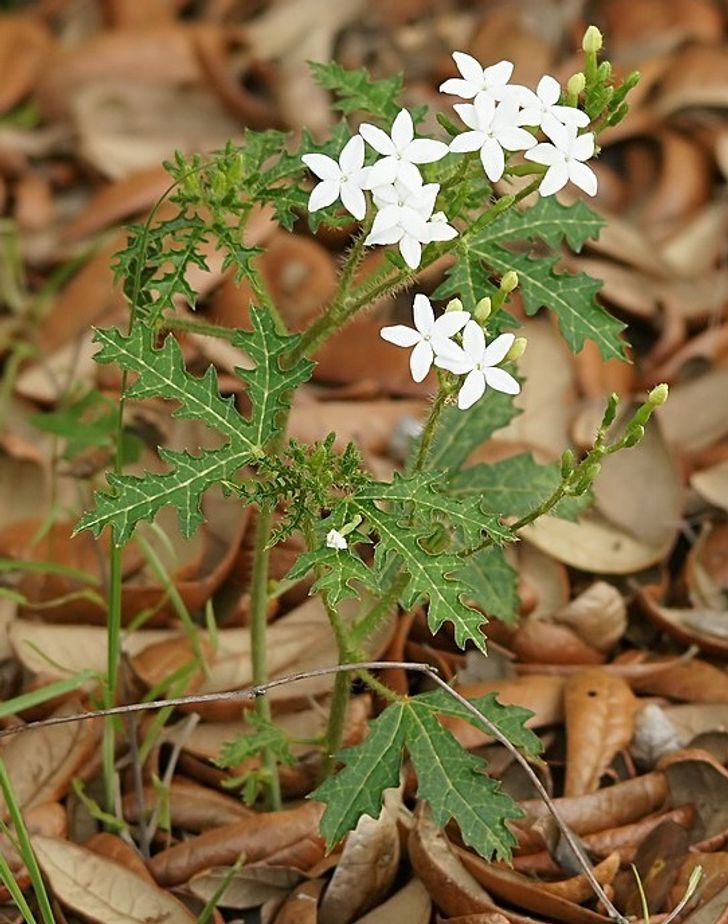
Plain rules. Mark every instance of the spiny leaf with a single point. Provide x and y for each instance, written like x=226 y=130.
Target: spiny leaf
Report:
x=518 y=484
x=509 y=720
x=454 y=785
x=371 y=767
x=342 y=576
x=430 y=576
x=459 y=432
x=161 y=372
x=491 y=583
x=571 y=297
x=356 y=91
x=547 y=220
x=424 y=490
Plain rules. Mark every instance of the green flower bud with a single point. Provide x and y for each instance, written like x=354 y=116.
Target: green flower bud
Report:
x=658 y=395
x=633 y=436
x=483 y=310
x=567 y=463
x=575 y=84
x=592 y=41
x=509 y=282
x=604 y=72
x=454 y=305
x=518 y=348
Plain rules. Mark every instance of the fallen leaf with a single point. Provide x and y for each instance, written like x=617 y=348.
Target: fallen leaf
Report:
x=599 y=715
x=598 y=616
x=191 y=807
x=411 y=903
x=101 y=889
x=302 y=905
x=249 y=887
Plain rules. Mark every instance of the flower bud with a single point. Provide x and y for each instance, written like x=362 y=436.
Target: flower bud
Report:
x=592 y=41
x=454 y=305
x=518 y=348
x=483 y=310
x=658 y=395
x=567 y=463
x=633 y=436
x=575 y=84
x=509 y=282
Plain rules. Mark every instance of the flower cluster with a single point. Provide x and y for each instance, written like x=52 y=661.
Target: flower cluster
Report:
x=500 y=118
x=433 y=342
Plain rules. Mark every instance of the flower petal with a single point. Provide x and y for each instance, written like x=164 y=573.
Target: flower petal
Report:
x=584 y=177
x=412 y=223
x=425 y=151
x=409 y=175
x=439 y=231
x=513 y=138
x=403 y=131
x=493 y=160
x=421 y=360
x=570 y=115
x=583 y=147
x=497 y=75
x=423 y=201
x=387 y=217
x=485 y=109
x=382 y=173
x=424 y=316
x=468 y=113
x=561 y=137
x=555 y=178
x=455 y=360
x=500 y=380
x=377 y=138
x=496 y=351
x=456 y=87
x=411 y=250
x=323 y=194
x=352 y=155
x=400 y=335
x=474 y=341
x=544 y=153
x=449 y=323
x=385 y=236
x=548 y=90
x=323 y=166
x=531 y=115
x=472 y=390
x=468 y=141
x=469 y=67
x=352 y=198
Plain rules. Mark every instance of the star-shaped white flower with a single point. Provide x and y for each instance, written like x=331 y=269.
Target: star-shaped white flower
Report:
x=495 y=129
x=334 y=540
x=564 y=156
x=401 y=151
x=478 y=81
x=542 y=107
x=343 y=180
x=405 y=218
x=430 y=338
x=479 y=363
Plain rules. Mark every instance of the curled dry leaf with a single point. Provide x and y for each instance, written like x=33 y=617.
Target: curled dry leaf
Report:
x=599 y=712
x=42 y=762
x=712 y=484
x=656 y=863
x=48 y=819
x=191 y=807
x=612 y=806
x=367 y=867
x=101 y=889
x=286 y=838
x=693 y=681
x=411 y=904
x=706 y=628
x=694 y=418
x=302 y=905
x=250 y=887
x=713 y=880
x=697 y=777
x=114 y=848
x=598 y=616
x=543 y=642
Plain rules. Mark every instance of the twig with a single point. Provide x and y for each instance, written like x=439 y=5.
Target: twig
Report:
x=252 y=693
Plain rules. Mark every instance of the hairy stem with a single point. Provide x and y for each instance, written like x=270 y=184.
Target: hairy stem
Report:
x=258 y=640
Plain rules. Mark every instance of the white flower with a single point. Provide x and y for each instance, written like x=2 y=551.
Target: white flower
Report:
x=565 y=157
x=478 y=81
x=430 y=337
x=334 y=540
x=479 y=364
x=400 y=150
x=542 y=108
x=495 y=129
x=405 y=218
x=343 y=180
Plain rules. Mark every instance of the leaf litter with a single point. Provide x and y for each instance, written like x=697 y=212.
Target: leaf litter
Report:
x=610 y=604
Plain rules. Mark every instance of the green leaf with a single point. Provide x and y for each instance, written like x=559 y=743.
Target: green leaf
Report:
x=452 y=781
x=516 y=486
x=161 y=373
x=356 y=91
x=549 y=221
x=509 y=720
x=492 y=583
x=343 y=573
x=371 y=767
x=264 y=736
x=460 y=432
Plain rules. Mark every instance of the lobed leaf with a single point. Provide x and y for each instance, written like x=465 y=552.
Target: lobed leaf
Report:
x=491 y=583
x=356 y=91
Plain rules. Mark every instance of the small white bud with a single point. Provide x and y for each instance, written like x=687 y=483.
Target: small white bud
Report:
x=334 y=540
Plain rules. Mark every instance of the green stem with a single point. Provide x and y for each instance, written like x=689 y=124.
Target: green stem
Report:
x=430 y=427
x=258 y=637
